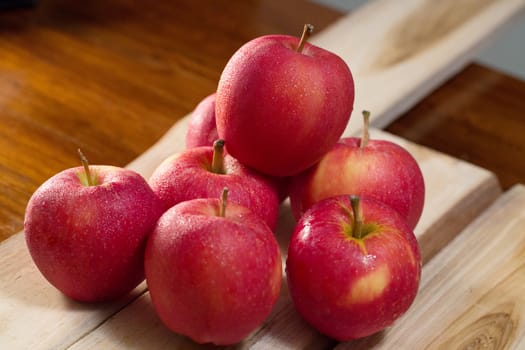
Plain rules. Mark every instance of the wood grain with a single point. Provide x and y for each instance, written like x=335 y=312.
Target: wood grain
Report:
x=427 y=25
x=111 y=77
x=399 y=58
x=456 y=193
x=475 y=117
x=471 y=294
x=33 y=315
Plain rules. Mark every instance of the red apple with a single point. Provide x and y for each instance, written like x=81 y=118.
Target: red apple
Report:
x=202 y=131
x=202 y=128
x=371 y=168
x=86 y=231
x=352 y=268
x=282 y=103
x=203 y=172
x=213 y=270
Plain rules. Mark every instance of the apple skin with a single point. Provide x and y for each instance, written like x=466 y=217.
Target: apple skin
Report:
x=188 y=175
x=202 y=128
x=349 y=288
x=89 y=241
x=212 y=278
x=280 y=110
x=382 y=170
x=202 y=131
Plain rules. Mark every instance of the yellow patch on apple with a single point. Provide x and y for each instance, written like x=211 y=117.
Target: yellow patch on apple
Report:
x=369 y=287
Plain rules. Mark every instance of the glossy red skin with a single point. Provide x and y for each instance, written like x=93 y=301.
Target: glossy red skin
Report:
x=382 y=170
x=279 y=110
x=202 y=131
x=89 y=242
x=187 y=175
x=202 y=128
x=211 y=278
x=324 y=265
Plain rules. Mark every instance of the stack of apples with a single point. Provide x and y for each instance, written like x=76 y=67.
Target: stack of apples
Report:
x=200 y=230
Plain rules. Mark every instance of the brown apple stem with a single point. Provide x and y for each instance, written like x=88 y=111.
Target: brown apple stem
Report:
x=357 y=227
x=366 y=133
x=224 y=199
x=307 y=31
x=217 y=163
x=85 y=163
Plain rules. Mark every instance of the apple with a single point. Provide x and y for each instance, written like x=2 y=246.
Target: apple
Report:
x=203 y=172
x=86 y=230
x=372 y=168
x=282 y=103
x=213 y=270
x=353 y=267
x=202 y=131
x=202 y=128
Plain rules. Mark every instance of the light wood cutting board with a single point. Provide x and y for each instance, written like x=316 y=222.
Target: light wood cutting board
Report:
x=472 y=294
x=398 y=54
x=456 y=193
x=137 y=326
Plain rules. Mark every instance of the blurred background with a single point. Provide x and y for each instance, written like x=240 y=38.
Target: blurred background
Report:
x=110 y=77
x=506 y=54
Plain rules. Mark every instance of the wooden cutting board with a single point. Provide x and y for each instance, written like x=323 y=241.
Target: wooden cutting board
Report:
x=456 y=193
x=472 y=294
x=398 y=54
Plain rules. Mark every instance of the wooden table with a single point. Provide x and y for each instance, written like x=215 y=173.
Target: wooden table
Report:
x=111 y=77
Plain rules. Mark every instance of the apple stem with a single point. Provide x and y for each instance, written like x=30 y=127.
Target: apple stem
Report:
x=85 y=163
x=357 y=228
x=224 y=198
x=366 y=133
x=307 y=31
x=217 y=163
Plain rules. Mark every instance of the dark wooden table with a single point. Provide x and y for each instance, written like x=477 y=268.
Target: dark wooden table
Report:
x=111 y=77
